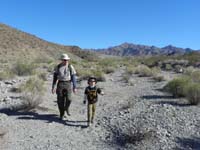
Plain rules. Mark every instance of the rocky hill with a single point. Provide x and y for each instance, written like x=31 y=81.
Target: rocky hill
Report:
x=129 y=49
x=16 y=44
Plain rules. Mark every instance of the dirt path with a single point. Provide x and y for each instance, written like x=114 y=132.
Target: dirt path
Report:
x=42 y=130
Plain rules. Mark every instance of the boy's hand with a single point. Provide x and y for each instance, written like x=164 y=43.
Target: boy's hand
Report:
x=84 y=102
x=53 y=90
x=102 y=93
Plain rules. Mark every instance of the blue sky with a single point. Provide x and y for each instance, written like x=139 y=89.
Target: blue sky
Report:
x=105 y=23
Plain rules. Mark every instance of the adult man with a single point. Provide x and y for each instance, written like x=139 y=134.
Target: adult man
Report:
x=64 y=74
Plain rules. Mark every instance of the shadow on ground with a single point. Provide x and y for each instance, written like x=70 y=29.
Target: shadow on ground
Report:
x=171 y=100
x=48 y=118
x=188 y=143
x=157 y=97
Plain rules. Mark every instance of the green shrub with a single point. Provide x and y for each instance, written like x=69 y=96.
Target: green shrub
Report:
x=177 y=86
x=23 y=69
x=108 y=70
x=168 y=67
x=193 y=93
x=143 y=71
x=99 y=75
x=42 y=75
x=33 y=91
x=195 y=75
x=159 y=78
x=4 y=75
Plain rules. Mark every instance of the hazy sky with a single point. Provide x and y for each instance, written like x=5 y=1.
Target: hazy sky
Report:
x=105 y=23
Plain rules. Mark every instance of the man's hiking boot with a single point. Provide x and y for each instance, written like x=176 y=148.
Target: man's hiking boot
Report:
x=61 y=117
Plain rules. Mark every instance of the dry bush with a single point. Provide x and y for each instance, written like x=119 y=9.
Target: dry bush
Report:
x=23 y=68
x=193 y=93
x=159 y=78
x=143 y=71
x=126 y=78
x=33 y=91
x=108 y=69
x=195 y=75
x=177 y=86
x=42 y=76
x=6 y=74
x=131 y=134
x=188 y=71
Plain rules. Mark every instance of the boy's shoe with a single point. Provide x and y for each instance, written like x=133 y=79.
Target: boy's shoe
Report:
x=89 y=124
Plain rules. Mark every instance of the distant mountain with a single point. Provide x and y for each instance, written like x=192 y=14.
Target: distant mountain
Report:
x=129 y=49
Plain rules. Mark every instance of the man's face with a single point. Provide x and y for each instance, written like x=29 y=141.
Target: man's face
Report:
x=64 y=61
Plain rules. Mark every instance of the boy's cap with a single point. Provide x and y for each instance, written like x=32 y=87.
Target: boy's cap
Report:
x=92 y=79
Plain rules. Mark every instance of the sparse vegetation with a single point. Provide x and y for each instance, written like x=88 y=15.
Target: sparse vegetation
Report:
x=23 y=68
x=187 y=86
x=177 y=86
x=6 y=74
x=32 y=96
x=143 y=71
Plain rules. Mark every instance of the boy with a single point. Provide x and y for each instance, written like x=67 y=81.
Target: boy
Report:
x=91 y=95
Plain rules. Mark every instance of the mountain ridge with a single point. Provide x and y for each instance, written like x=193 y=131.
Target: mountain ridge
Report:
x=130 y=49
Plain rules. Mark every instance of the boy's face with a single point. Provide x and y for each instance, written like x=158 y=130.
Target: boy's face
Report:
x=92 y=83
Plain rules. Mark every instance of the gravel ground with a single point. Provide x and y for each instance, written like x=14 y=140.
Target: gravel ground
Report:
x=137 y=116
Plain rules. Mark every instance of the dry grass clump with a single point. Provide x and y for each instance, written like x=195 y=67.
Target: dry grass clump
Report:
x=33 y=91
x=144 y=71
x=159 y=78
x=24 y=68
x=193 y=93
x=6 y=74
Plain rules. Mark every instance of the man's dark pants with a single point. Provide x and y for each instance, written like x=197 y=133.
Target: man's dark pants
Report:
x=64 y=93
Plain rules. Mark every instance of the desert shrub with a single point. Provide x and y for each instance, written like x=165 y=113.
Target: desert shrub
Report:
x=23 y=69
x=43 y=59
x=195 y=75
x=168 y=67
x=193 y=93
x=33 y=91
x=6 y=74
x=108 y=70
x=143 y=71
x=112 y=62
x=188 y=71
x=177 y=86
x=130 y=70
x=126 y=78
x=99 y=75
x=131 y=135
x=159 y=78
x=42 y=75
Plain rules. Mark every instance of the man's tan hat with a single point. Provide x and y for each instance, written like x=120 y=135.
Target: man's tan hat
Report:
x=64 y=57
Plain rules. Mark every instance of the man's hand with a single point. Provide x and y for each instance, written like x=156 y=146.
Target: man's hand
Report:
x=53 y=90
x=75 y=90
